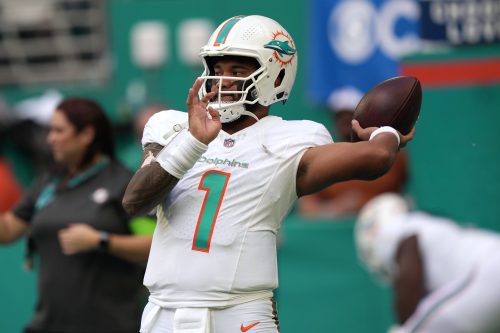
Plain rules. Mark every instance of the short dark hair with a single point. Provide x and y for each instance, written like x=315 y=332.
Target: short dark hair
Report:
x=83 y=112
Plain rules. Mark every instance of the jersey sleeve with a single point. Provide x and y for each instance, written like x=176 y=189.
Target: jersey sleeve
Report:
x=308 y=134
x=26 y=208
x=288 y=141
x=321 y=136
x=159 y=126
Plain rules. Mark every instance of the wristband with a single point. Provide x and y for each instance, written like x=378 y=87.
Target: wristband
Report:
x=181 y=154
x=385 y=129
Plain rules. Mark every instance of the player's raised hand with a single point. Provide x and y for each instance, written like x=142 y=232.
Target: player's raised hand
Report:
x=203 y=127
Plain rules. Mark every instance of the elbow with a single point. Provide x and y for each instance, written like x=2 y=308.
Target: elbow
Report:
x=130 y=208
x=135 y=207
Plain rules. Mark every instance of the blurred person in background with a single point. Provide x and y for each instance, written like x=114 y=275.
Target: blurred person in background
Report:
x=444 y=276
x=10 y=189
x=223 y=187
x=133 y=152
x=90 y=265
x=346 y=198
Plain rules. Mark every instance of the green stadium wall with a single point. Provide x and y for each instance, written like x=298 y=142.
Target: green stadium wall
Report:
x=454 y=160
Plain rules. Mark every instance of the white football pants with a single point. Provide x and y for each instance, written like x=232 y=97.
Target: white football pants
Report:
x=257 y=316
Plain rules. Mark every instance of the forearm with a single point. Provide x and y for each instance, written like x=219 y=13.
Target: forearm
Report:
x=161 y=169
x=385 y=142
x=149 y=185
x=325 y=165
x=381 y=157
x=408 y=283
x=373 y=158
x=11 y=228
x=130 y=248
x=405 y=308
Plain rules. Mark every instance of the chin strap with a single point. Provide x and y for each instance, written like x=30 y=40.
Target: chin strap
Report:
x=248 y=113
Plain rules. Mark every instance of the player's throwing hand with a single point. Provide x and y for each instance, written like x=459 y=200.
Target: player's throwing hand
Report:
x=365 y=133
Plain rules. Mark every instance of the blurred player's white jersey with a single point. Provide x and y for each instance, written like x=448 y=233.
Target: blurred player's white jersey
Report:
x=461 y=269
x=215 y=241
x=448 y=250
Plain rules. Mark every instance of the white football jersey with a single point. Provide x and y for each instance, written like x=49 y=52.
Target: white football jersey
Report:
x=215 y=241
x=447 y=249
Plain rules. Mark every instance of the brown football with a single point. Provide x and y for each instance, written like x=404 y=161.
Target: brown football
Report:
x=394 y=102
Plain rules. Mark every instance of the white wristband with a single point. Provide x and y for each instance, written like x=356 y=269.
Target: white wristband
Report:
x=181 y=154
x=385 y=129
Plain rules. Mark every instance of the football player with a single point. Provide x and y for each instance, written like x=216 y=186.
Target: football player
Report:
x=445 y=277
x=225 y=174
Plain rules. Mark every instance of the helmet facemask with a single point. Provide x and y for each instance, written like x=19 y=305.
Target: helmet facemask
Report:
x=242 y=99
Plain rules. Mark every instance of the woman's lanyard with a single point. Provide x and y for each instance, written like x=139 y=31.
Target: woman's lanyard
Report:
x=48 y=193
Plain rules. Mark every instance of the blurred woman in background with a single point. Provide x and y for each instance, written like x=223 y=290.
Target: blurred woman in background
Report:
x=90 y=264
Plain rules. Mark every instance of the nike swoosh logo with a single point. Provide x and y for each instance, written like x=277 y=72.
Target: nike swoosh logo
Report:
x=246 y=328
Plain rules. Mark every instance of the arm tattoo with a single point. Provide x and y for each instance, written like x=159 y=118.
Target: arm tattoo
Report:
x=149 y=185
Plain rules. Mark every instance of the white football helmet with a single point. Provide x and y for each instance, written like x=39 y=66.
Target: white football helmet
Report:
x=378 y=211
x=262 y=39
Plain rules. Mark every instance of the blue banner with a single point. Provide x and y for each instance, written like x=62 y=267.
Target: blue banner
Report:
x=359 y=43
x=461 y=22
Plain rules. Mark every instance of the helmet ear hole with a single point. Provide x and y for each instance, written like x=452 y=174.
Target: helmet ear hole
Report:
x=278 y=81
x=280 y=78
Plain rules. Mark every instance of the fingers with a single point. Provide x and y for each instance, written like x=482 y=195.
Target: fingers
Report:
x=412 y=133
x=407 y=138
x=355 y=125
x=65 y=241
x=362 y=133
x=77 y=238
x=205 y=99
x=214 y=114
x=192 y=98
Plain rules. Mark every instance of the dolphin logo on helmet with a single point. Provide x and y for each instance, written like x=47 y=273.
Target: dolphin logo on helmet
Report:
x=282 y=47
